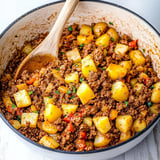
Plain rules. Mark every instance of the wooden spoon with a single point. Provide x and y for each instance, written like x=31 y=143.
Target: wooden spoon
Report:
x=49 y=47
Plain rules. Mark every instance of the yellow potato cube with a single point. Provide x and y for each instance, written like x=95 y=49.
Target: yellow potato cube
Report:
x=22 y=99
x=81 y=39
x=133 y=81
x=36 y=83
x=155 y=97
x=139 y=125
x=49 y=87
x=30 y=118
x=48 y=100
x=22 y=86
x=113 y=34
x=138 y=87
x=155 y=108
x=7 y=101
x=57 y=75
x=126 y=64
x=103 y=40
x=69 y=108
x=119 y=91
x=55 y=136
x=72 y=77
x=27 y=48
x=121 y=49
x=137 y=57
x=124 y=123
x=63 y=89
x=143 y=75
x=49 y=127
x=125 y=136
x=99 y=28
x=49 y=142
x=86 y=30
x=85 y=93
x=52 y=113
x=74 y=55
x=102 y=124
x=116 y=71
x=88 y=65
x=101 y=140
x=16 y=124
x=88 y=121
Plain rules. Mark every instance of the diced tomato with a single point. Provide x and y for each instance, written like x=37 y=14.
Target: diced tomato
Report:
x=70 y=127
x=10 y=109
x=146 y=79
x=83 y=135
x=32 y=79
x=18 y=112
x=68 y=118
x=80 y=144
x=133 y=44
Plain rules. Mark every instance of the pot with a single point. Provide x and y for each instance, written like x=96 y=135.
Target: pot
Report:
x=41 y=19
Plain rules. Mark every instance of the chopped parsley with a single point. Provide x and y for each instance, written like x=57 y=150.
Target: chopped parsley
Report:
x=58 y=69
x=65 y=115
x=69 y=92
x=31 y=92
x=81 y=79
x=72 y=97
x=102 y=68
x=92 y=28
x=74 y=89
x=103 y=45
x=143 y=50
x=57 y=92
x=112 y=39
x=76 y=65
x=50 y=97
x=19 y=118
x=111 y=23
x=81 y=46
x=149 y=104
x=126 y=103
x=35 y=111
x=70 y=28
x=62 y=53
x=145 y=72
x=13 y=105
x=152 y=87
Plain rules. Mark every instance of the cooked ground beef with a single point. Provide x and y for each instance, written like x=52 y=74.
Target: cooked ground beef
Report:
x=81 y=123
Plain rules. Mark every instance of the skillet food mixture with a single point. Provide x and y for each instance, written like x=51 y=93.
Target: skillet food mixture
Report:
x=100 y=91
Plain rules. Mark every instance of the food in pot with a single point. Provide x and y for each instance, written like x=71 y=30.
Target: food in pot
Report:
x=100 y=91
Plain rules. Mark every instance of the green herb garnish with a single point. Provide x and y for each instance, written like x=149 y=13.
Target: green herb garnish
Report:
x=152 y=87
x=65 y=115
x=74 y=89
x=35 y=111
x=81 y=79
x=145 y=72
x=58 y=69
x=81 y=46
x=72 y=97
x=62 y=53
x=31 y=92
x=70 y=28
x=19 y=118
x=112 y=39
x=111 y=23
x=50 y=97
x=13 y=105
x=149 y=104
x=69 y=92
x=102 y=68
x=76 y=65
x=57 y=92
x=126 y=103
x=92 y=28
x=103 y=45
x=143 y=50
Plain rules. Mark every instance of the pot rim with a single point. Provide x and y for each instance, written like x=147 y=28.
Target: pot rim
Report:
x=72 y=152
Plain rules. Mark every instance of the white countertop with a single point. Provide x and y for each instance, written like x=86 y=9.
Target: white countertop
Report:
x=11 y=147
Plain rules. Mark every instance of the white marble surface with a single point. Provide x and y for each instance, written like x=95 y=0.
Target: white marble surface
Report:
x=12 y=148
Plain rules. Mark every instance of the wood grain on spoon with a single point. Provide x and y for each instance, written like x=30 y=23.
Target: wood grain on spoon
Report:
x=49 y=47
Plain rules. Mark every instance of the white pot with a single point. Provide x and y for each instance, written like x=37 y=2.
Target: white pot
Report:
x=41 y=20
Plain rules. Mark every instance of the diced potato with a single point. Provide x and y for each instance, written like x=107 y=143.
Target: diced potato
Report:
x=16 y=124
x=36 y=83
x=22 y=86
x=55 y=136
x=49 y=127
x=139 y=125
x=155 y=108
x=49 y=87
x=33 y=108
x=126 y=64
x=52 y=113
x=49 y=142
x=124 y=123
x=27 y=48
x=121 y=49
x=102 y=124
x=137 y=57
x=88 y=65
x=81 y=39
x=116 y=71
x=104 y=52
x=74 y=55
x=113 y=114
x=88 y=121
x=143 y=75
x=85 y=93
x=101 y=140
x=57 y=75
x=125 y=136
x=143 y=113
x=103 y=40
x=7 y=101
x=133 y=81
x=43 y=71
x=72 y=77
x=119 y=91
x=30 y=118
x=113 y=34
x=22 y=99
x=138 y=87
x=48 y=100
x=63 y=89
x=99 y=28
x=69 y=108
x=86 y=30
x=155 y=97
